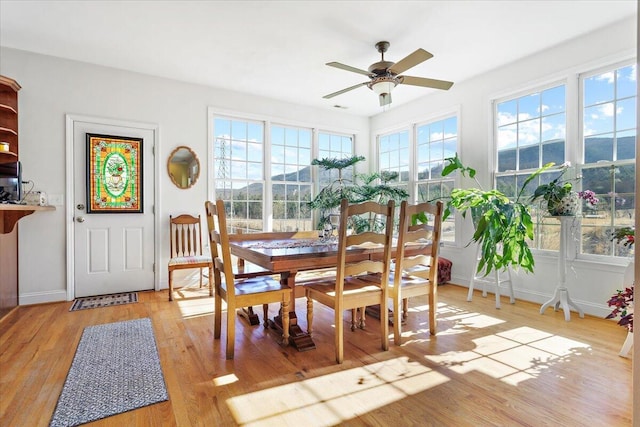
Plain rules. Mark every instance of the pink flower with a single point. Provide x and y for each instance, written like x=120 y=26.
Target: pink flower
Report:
x=589 y=196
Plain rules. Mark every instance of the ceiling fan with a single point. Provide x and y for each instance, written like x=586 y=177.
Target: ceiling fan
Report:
x=385 y=75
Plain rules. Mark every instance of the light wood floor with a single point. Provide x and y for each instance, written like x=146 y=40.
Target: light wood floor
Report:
x=486 y=367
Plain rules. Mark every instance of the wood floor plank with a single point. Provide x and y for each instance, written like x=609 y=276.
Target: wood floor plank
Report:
x=511 y=366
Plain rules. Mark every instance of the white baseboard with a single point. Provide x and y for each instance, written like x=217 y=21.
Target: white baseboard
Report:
x=42 y=297
x=597 y=310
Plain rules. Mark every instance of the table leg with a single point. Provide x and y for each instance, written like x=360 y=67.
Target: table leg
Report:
x=297 y=337
x=248 y=314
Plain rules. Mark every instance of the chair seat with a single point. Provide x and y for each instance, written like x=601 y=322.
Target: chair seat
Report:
x=411 y=280
x=256 y=285
x=351 y=286
x=358 y=292
x=188 y=260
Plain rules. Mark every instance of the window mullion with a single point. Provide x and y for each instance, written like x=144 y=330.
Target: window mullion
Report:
x=267 y=212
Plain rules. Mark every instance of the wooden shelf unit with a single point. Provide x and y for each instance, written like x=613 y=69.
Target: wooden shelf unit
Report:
x=9 y=214
x=9 y=117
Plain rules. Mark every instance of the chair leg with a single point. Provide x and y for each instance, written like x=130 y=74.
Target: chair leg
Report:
x=170 y=285
x=354 y=316
x=309 y=315
x=384 y=321
x=339 y=335
x=200 y=277
x=433 y=308
x=265 y=313
x=231 y=331
x=210 y=281
x=405 y=308
x=363 y=317
x=397 y=328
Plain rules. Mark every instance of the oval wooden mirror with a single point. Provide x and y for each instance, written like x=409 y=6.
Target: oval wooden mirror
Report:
x=183 y=167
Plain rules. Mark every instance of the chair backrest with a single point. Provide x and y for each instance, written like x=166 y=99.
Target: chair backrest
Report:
x=219 y=242
x=185 y=236
x=425 y=263
x=374 y=238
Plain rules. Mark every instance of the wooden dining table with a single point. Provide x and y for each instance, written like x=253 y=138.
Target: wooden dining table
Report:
x=290 y=256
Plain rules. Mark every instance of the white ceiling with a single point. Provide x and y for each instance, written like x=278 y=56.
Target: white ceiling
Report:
x=278 y=49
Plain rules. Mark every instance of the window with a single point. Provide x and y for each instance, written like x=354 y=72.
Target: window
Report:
x=608 y=144
x=393 y=157
x=334 y=146
x=531 y=132
x=263 y=173
x=420 y=174
x=435 y=142
x=291 y=178
x=238 y=171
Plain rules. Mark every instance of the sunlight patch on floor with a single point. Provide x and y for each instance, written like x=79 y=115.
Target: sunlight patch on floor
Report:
x=473 y=320
x=335 y=398
x=225 y=380
x=511 y=356
x=195 y=307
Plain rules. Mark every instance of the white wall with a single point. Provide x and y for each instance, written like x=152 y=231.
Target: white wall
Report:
x=53 y=87
x=590 y=284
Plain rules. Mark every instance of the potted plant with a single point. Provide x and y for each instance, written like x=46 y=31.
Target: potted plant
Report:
x=560 y=197
x=362 y=187
x=622 y=300
x=502 y=226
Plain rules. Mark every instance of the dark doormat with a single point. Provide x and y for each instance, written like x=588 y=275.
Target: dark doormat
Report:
x=104 y=301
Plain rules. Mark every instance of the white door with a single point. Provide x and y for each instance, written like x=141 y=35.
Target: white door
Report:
x=113 y=252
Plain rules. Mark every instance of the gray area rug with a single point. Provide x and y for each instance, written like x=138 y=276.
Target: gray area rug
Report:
x=104 y=301
x=116 y=369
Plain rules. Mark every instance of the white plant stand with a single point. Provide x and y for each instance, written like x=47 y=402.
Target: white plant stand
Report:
x=561 y=295
x=627 y=346
x=628 y=279
x=476 y=278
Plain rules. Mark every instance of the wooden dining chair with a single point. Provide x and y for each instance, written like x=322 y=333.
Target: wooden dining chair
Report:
x=416 y=273
x=238 y=292
x=185 y=244
x=348 y=291
x=245 y=269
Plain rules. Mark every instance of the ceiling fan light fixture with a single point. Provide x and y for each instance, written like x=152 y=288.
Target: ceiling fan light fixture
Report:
x=383 y=85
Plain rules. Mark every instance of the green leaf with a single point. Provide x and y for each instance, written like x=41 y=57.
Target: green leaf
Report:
x=419 y=218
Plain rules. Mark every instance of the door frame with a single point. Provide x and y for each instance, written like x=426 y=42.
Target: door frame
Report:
x=71 y=120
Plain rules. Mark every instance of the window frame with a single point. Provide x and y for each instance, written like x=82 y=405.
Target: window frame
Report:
x=268 y=121
x=412 y=184
x=574 y=141
x=580 y=150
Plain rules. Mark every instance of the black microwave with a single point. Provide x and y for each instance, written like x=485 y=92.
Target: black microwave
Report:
x=10 y=182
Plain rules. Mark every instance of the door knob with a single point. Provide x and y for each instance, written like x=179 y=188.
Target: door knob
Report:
x=80 y=219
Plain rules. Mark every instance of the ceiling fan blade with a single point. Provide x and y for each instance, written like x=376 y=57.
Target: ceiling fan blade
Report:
x=411 y=60
x=348 y=68
x=340 y=92
x=422 y=81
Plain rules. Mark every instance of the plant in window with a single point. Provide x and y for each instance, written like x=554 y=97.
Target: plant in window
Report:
x=363 y=187
x=502 y=226
x=622 y=300
x=624 y=236
x=559 y=195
